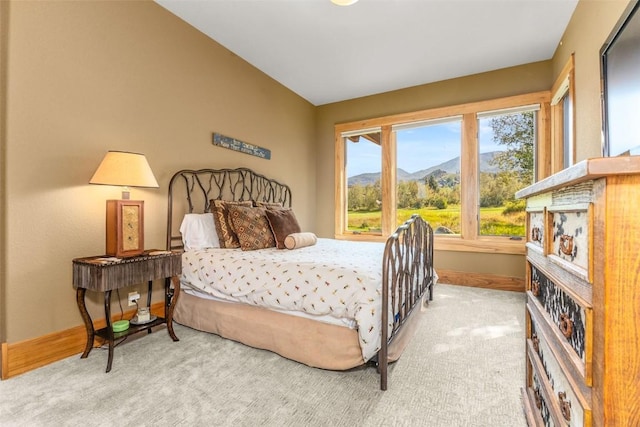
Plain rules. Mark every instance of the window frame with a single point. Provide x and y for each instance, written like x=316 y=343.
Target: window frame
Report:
x=469 y=239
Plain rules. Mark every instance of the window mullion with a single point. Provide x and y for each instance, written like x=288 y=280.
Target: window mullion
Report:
x=388 y=179
x=469 y=177
x=543 y=154
x=340 y=200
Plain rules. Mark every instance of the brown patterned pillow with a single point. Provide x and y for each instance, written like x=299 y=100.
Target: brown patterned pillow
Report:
x=269 y=205
x=220 y=210
x=252 y=227
x=282 y=222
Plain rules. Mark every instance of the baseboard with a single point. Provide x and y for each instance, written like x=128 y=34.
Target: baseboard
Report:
x=481 y=280
x=24 y=356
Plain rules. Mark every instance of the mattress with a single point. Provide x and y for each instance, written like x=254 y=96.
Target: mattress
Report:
x=338 y=282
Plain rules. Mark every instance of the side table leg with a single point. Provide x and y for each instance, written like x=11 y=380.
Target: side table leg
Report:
x=88 y=324
x=149 y=300
x=170 y=303
x=107 y=315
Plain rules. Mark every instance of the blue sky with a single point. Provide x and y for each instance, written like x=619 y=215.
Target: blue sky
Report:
x=418 y=148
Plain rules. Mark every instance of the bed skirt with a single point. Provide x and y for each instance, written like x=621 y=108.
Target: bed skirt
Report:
x=317 y=344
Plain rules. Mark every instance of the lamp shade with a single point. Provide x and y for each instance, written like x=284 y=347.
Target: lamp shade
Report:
x=124 y=169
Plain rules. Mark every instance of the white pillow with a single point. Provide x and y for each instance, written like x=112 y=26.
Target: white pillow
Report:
x=199 y=232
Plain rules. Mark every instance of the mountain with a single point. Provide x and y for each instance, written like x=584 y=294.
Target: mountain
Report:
x=450 y=167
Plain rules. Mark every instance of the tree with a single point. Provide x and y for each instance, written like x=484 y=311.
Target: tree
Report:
x=517 y=133
x=355 y=197
x=496 y=189
x=366 y=198
x=407 y=194
x=372 y=196
x=432 y=183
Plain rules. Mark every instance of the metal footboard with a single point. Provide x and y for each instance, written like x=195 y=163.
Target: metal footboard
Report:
x=407 y=274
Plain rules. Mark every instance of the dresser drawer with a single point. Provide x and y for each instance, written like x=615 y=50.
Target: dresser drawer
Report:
x=536 y=230
x=566 y=320
x=545 y=411
x=571 y=243
x=532 y=412
x=574 y=406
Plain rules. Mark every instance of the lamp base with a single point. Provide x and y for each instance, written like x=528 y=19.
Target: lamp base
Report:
x=125 y=228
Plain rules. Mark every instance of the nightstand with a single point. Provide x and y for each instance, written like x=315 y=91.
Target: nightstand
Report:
x=103 y=274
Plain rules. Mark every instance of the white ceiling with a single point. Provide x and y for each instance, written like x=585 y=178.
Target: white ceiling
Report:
x=327 y=53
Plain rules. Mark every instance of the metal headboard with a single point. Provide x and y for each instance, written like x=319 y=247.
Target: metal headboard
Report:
x=191 y=191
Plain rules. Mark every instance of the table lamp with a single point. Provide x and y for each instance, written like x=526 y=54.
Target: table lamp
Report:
x=125 y=218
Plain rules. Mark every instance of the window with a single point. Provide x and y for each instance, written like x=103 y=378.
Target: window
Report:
x=562 y=120
x=458 y=167
x=506 y=142
x=428 y=172
x=364 y=195
x=567 y=134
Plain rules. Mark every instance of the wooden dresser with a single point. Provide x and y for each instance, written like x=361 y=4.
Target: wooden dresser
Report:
x=583 y=296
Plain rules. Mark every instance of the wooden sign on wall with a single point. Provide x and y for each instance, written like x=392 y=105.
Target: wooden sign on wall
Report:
x=243 y=147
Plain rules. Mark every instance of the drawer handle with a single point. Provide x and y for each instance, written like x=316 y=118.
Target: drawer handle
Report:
x=566 y=244
x=536 y=234
x=566 y=325
x=536 y=343
x=565 y=405
x=535 y=288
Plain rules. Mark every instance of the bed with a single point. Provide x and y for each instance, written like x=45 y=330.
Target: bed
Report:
x=321 y=302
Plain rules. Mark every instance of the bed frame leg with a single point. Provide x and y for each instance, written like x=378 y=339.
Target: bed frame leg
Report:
x=383 y=378
x=383 y=366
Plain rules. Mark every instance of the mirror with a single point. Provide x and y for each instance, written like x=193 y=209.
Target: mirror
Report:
x=620 y=72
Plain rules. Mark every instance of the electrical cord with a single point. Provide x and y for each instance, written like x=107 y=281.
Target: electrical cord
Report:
x=120 y=304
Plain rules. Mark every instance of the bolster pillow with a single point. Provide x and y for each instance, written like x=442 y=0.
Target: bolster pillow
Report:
x=300 y=240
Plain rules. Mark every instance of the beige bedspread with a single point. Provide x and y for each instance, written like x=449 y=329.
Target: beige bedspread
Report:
x=334 y=278
x=316 y=344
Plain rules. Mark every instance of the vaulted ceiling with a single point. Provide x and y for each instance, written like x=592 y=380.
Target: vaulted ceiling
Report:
x=327 y=53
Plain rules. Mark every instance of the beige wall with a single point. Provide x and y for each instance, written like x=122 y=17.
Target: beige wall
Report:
x=4 y=26
x=80 y=78
x=87 y=77
x=589 y=28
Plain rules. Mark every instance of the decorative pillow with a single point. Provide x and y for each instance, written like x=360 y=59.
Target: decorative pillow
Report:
x=220 y=209
x=282 y=222
x=252 y=227
x=300 y=240
x=199 y=232
x=269 y=205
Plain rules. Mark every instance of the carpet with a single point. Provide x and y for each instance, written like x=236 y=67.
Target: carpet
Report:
x=464 y=367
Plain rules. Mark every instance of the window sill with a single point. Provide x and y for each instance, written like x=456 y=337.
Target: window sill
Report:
x=497 y=245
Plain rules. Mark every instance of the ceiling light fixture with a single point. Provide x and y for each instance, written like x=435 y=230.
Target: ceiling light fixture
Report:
x=344 y=2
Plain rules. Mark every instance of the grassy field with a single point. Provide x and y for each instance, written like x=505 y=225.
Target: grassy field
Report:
x=492 y=220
